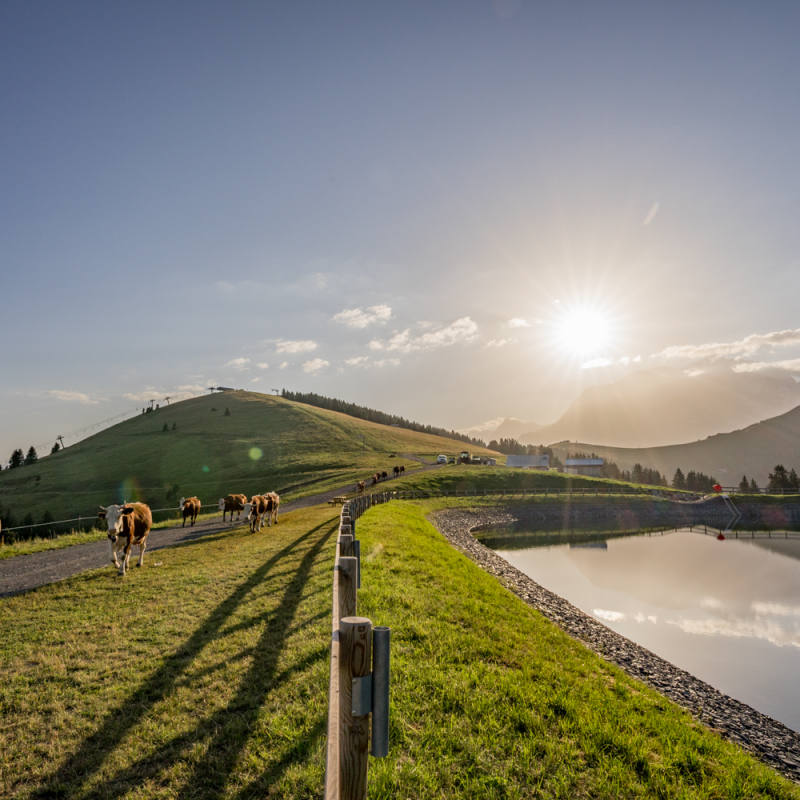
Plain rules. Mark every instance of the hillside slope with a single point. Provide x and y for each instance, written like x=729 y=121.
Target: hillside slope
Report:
x=267 y=443
x=753 y=451
x=662 y=406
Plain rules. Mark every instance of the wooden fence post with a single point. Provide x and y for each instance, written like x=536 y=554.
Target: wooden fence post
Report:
x=345 y=545
x=355 y=661
x=348 y=581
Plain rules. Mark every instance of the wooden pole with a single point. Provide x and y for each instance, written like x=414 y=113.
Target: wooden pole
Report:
x=355 y=661
x=348 y=580
x=346 y=546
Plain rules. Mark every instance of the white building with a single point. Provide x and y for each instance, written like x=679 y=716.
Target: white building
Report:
x=528 y=462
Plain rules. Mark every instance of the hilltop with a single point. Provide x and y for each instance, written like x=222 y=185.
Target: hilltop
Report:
x=753 y=451
x=266 y=443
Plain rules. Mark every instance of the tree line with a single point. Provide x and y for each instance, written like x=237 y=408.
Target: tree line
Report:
x=20 y=459
x=371 y=415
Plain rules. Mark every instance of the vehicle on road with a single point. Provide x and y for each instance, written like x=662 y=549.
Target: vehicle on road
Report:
x=441 y=460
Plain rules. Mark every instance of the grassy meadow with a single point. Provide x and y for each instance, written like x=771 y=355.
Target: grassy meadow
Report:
x=265 y=444
x=207 y=677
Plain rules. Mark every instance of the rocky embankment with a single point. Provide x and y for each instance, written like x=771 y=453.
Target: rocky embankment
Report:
x=765 y=737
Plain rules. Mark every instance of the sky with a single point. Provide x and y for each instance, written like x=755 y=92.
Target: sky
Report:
x=452 y=211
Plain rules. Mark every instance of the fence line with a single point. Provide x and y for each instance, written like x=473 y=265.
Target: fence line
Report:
x=174 y=509
x=358 y=697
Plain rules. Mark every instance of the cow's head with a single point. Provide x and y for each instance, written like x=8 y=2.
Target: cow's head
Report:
x=115 y=519
x=221 y=504
x=248 y=509
x=183 y=500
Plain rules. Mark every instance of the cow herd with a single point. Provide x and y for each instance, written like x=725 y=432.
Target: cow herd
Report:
x=130 y=523
x=378 y=477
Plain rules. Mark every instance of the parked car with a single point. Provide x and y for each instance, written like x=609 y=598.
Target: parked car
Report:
x=441 y=460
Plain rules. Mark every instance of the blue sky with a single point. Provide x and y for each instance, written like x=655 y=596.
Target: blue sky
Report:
x=405 y=205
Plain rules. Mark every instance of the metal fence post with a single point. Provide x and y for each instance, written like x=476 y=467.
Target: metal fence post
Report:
x=381 y=648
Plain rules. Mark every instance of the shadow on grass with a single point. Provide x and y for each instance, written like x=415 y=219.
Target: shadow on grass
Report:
x=228 y=729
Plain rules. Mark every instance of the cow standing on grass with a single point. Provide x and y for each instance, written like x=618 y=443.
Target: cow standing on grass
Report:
x=273 y=503
x=233 y=502
x=190 y=506
x=255 y=510
x=362 y=487
x=128 y=525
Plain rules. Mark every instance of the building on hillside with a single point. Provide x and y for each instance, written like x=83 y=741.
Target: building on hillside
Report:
x=529 y=462
x=590 y=467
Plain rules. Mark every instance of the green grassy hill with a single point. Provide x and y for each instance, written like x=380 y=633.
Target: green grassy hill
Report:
x=266 y=444
x=753 y=451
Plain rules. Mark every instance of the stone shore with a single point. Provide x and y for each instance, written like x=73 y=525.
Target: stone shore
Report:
x=766 y=738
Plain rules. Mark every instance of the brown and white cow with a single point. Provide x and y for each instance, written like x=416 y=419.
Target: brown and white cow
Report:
x=190 y=506
x=255 y=510
x=233 y=502
x=375 y=478
x=362 y=487
x=273 y=503
x=128 y=525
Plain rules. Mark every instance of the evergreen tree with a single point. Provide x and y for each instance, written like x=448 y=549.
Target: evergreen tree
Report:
x=174 y=426
x=55 y=448
x=165 y=428
x=794 y=481
x=778 y=479
x=227 y=412
x=17 y=459
x=754 y=485
x=678 y=480
x=744 y=484
x=32 y=456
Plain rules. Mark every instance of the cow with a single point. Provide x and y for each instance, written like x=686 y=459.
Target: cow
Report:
x=375 y=478
x=396 y=471
x=384 y=475
x=128 y=525
x=273 y=503
x=402 y=468
x=190 y=506
x=255 y=510
x=362 y=487
x=233 y=502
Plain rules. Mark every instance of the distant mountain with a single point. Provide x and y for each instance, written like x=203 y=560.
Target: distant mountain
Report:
x=667 y=405
x=753 y=451
x=511 y=428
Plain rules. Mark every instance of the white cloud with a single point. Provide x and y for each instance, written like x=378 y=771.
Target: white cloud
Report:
x=73 y=397
x=693 y=373
x=146 y=396
x=518 y=322
x=792 y=365
x=651 y=214
x=359 y=318
x=499 y=342
x=596 y=362
x=238 y=363
x=255 y=380
x=383 y=362
x=284 y=365
x=462 y=330
x=262 y=365
x=358 y=361
x=744 y=347
x=284 y=346
x=315 y=365
x=770 y=630
x=192 y=388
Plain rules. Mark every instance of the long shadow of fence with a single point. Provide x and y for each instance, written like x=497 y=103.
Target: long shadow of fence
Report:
x=227 y=730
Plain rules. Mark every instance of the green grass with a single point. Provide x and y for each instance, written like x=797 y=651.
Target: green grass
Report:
x=266 y=444
x=489 y=700
x=207 y=677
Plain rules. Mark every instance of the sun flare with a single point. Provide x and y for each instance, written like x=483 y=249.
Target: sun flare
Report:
x=583 y=332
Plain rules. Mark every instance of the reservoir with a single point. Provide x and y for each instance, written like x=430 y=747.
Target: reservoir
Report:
x=725 y=610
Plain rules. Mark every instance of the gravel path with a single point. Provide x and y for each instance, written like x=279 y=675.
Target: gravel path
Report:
x=22 y=573
x=766 y=738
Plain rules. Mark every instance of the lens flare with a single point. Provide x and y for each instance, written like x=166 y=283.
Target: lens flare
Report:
x=255 y=453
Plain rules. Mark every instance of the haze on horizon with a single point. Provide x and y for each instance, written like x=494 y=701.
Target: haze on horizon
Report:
x=454 y=211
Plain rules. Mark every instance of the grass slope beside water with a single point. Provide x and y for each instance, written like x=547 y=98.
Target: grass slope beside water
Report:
x=207 y=677
x=266 y=444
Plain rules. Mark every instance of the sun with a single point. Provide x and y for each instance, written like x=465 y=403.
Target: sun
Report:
x=584 y=332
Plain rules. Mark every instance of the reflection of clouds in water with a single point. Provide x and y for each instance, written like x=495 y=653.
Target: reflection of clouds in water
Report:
x=611 y=616
x=766 y=629
x=774 y=609
x=641 y=618
x=710 y=602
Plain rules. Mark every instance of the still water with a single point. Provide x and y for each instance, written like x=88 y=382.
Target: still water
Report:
x=726 y=611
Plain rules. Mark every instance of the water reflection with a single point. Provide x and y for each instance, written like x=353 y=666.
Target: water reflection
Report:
x=727 y=611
